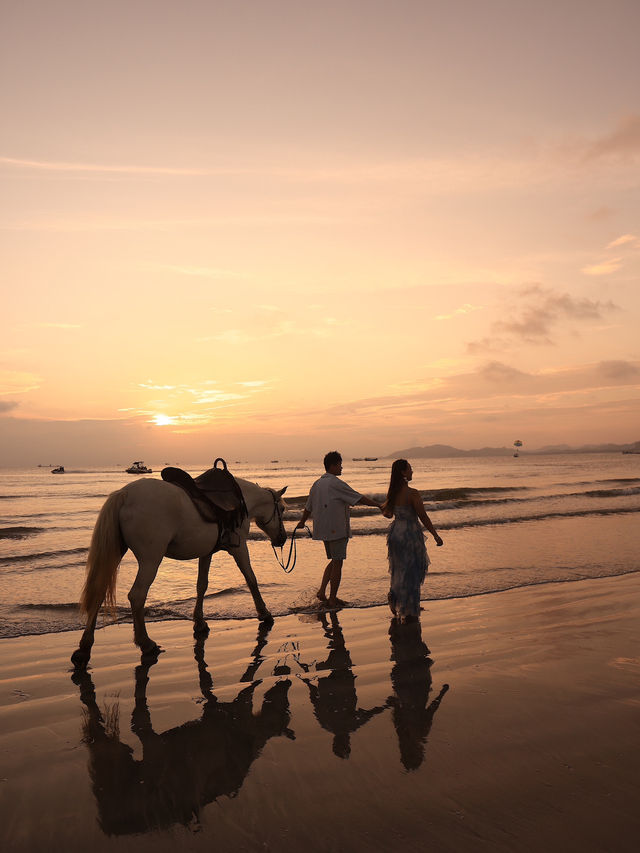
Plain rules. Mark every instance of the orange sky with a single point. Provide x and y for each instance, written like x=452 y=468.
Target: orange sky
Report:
x=272 y=228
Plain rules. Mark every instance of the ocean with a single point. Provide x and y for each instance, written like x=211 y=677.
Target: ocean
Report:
x=506 y=522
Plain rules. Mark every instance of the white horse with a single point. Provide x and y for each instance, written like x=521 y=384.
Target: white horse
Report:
x=156 y=519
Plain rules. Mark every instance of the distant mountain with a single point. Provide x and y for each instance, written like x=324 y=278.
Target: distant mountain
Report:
x=445 y=451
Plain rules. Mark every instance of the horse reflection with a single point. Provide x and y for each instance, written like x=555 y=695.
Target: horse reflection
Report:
x=183 y=768
x=334 y=698
x=411 y=681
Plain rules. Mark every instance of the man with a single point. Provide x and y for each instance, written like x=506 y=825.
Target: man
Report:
x=328 y=505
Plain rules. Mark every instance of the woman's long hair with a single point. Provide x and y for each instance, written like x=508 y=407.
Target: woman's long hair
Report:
x=396 y=482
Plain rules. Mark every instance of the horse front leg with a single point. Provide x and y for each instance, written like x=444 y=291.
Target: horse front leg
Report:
x=241 y=556
x=80 y=658
x=147 y=571
x=200 y=626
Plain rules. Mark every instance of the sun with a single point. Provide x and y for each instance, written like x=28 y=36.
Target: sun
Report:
x=162 y=420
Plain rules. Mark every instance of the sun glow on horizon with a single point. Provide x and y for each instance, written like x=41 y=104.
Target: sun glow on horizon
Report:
x=163 y=420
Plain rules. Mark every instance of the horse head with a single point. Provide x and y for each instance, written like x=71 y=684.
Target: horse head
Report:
x=269 y=516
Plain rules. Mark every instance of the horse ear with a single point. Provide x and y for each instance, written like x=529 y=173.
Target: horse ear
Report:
x=281 y=492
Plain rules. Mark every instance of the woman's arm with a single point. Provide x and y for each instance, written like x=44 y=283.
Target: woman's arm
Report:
x=418 y=505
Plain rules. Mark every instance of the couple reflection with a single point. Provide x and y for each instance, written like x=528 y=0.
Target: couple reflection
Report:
x=186 y=767
x=333 y=696
x=411 y=682
x=183 y=768
x=335 y=701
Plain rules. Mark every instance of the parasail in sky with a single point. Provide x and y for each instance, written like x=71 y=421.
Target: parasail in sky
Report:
x=517 y=443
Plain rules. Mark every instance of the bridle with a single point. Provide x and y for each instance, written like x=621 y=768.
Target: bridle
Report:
x=287 y=565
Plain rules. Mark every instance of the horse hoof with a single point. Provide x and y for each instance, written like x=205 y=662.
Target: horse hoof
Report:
x=201 y=629
x=151 y=654
x=80 y=659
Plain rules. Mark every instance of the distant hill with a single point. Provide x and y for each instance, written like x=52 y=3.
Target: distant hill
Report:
x=446 y=451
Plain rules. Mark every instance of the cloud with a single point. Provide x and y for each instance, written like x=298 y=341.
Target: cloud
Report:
x=467 y=308
x=18 y=382
x=620 y=370
x=496 y=371
x=624 y=140
x=600 y=214
x=202 y=272
x=56 y=166
x=497 y=387
x=623 y=241
x=8 y=406
x=535 y=315
x=604 y=268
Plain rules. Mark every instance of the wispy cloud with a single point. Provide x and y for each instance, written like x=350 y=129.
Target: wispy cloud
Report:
x=622 y=141
x=467 y=308
x=8 y=406
x=203 y=272
x=58 y=166
x=606 y=267
x=18 y=382
x=498 y=384
x=624 y=240
x=536 y=314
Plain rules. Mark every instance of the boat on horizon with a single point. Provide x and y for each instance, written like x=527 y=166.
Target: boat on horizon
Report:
x=139 y=468
x=58 y=470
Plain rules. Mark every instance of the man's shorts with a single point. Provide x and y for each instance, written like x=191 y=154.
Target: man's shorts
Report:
x=336 y=549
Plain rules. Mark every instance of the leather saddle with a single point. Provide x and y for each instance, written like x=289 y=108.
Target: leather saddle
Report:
x=217 y=497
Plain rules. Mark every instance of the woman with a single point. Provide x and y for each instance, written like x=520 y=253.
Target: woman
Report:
x=408 y=559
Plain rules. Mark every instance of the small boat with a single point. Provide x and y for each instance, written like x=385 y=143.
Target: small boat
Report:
x=58 y=470
x=357 y=458
x=370 y=458
x=139 y=468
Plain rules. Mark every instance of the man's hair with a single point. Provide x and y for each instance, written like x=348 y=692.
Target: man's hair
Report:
x=332 y=458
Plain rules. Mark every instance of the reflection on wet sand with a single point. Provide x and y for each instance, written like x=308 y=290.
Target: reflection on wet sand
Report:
x=411 y=681
x=186 y=767
x=183 y=768
x=333 y=696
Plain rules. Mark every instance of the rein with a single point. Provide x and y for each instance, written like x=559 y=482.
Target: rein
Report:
x=288 y=566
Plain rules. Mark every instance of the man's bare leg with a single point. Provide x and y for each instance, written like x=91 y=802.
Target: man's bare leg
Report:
x=336 y=577
x=326 y=577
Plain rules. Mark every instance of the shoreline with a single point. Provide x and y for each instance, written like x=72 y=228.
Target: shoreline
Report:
x=150 y=619
x=336 y=733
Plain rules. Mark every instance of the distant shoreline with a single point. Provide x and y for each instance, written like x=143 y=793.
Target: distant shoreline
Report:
x=445 y=451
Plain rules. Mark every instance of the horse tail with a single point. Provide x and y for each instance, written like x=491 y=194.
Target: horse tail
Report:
x=105 y=553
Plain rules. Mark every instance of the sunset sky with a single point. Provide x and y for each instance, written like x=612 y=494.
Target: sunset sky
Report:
x=275 y=227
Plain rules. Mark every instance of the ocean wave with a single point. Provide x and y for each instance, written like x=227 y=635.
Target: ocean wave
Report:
x=613 y=493
x=60 y=618
x=41 y=555
x=513 y=519
x=19 y=532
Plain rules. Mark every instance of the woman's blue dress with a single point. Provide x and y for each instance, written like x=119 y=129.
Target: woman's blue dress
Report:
x=408 y=562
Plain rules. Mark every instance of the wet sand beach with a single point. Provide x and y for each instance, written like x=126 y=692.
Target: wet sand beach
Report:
x=336 y=731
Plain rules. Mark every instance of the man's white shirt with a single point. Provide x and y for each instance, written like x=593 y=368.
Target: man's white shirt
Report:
x=328 y=504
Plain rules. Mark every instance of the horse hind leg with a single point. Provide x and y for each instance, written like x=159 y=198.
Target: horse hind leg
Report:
x=80 y=658
x=147 y=571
